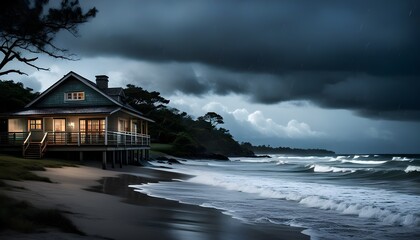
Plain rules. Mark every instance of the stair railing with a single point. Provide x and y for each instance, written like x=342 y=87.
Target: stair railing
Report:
x=26 y=143
x=43 y=144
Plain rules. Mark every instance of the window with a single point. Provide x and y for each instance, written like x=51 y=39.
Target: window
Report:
x=16 y=125
x=92 y=125
x=74 y=96
x=35 y=124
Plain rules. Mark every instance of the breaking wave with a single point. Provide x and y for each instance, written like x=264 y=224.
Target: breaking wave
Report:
x=363 y=161
x=383 y=206
x=412 y=169
x=401 y=159
x=324 y=169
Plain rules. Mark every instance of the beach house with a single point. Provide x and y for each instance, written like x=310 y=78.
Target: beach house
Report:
x=78 y=115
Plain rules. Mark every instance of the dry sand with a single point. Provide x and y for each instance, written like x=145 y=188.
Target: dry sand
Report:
x=101 y=204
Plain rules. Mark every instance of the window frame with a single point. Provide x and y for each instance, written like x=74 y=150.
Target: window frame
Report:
x=74 y=96
x=35 y=124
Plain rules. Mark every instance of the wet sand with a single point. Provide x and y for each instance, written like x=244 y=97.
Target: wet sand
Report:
x=101 y=204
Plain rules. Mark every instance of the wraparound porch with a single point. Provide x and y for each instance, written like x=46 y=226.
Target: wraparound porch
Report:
x=118 y=147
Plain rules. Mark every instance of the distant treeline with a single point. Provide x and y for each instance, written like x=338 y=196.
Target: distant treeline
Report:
x=284 y=150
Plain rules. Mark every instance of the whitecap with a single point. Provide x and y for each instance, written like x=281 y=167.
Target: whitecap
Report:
x=363 y=161
x=259 y=160
x=401 y=159
x=412 y=169
x=324 y=169
x=362 y=211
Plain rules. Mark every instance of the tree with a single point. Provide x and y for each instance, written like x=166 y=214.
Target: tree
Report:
x=15 y=95
x=213 y=118
x=144 y=100
x=29 y=28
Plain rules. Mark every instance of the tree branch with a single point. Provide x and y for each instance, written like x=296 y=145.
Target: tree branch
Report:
x=30 y=28
x=12 y=71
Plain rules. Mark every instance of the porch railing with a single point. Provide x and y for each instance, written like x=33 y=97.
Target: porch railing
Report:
x=13 y=138
x=26 y=144
x=44 y=144
x=79 y=138
x=98 y=138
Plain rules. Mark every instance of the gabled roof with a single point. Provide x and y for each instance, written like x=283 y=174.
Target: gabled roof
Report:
x=116 y=91
x=92 y=85
x=78 y=77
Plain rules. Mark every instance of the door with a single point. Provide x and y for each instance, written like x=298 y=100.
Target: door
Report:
x=134 y=132
x=92 y=131
x=122 y=128
x=59 y=131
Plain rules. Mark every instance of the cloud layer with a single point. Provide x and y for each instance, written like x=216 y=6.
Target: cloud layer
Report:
x=360 y=55
x=264 y=126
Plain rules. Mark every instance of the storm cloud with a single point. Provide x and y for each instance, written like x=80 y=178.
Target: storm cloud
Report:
x=359 y=55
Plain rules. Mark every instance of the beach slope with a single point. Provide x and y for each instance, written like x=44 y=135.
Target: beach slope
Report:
x=101 y=205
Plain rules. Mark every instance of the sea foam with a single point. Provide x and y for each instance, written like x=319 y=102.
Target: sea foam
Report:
x=412 y=169
x=401 y=159
x=362 y=202
x=324 y=169
x=363 y=161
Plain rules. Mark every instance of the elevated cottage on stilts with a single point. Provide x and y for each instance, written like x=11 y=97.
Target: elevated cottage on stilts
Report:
x=77 y=115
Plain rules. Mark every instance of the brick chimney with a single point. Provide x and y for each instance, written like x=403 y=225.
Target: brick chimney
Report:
x=102 y=81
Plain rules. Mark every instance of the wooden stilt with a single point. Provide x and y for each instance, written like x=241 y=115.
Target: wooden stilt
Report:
x=133 y=159
x=126 y=157
x=120 y=158
x=81 y=156
x=104 y=160
x=113 y=159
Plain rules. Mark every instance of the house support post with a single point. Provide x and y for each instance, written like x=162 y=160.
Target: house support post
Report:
x=146 y=153
x=113 y=159
x=81 y=156
x=120 y=158
x=133 y=160
x=104 y=160
x=138 y=157
x=126 y=157
x=120 y=154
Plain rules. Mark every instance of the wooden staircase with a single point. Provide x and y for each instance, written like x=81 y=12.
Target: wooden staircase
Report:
x=33 y=151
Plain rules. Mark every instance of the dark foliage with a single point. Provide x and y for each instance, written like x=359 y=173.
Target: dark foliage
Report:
x=15 y=95
x=212 y=118
x=30 y=27
x=284 y=150
x=143 y=100
x=191 y=138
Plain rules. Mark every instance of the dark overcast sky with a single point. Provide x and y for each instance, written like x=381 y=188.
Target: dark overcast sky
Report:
x=340 y=74
x=362 y=55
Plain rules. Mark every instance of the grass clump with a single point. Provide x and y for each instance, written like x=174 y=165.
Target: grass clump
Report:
x=18 y=169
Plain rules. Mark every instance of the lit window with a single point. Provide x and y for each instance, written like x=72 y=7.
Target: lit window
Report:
x=74 y=96
x=35 y=124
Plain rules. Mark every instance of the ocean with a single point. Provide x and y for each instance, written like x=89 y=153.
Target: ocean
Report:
x=333 y=197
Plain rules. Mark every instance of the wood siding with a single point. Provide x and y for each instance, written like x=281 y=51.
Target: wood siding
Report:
x=56 y=97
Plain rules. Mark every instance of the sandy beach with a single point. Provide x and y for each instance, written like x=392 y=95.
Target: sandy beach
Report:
x=101 y=205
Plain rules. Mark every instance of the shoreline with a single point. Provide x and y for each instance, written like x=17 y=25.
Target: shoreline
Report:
x=102 y=205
